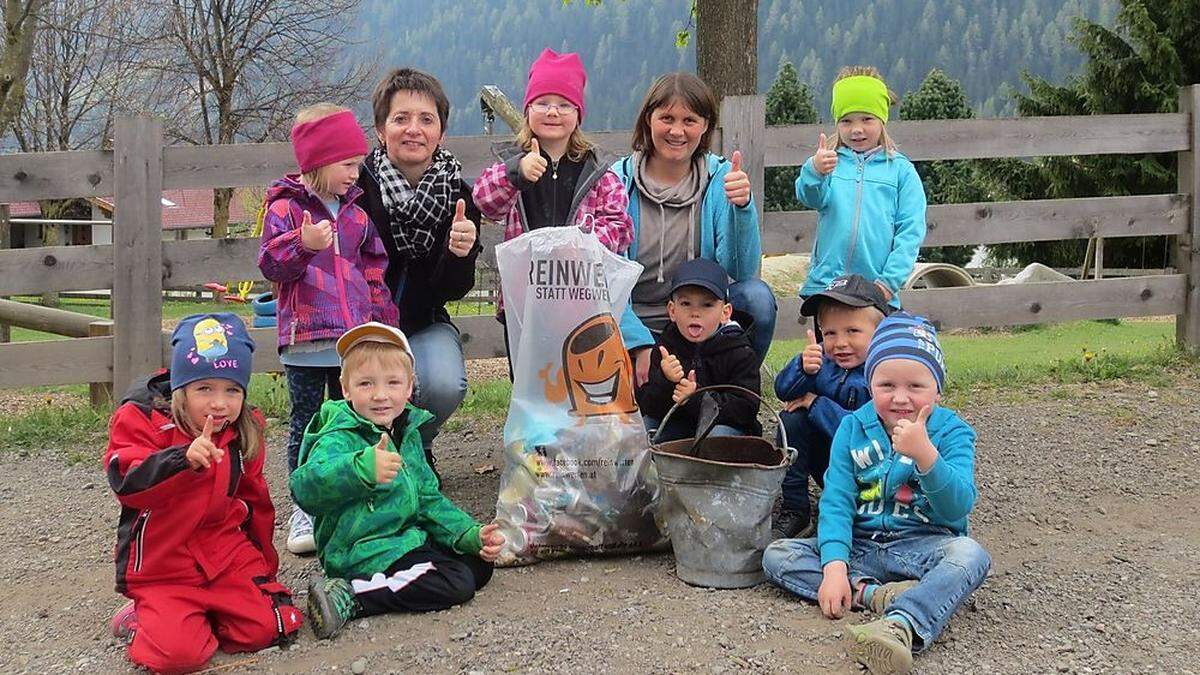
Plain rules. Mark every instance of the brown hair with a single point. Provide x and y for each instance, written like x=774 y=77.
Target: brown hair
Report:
x=249 y=431
x=408 y=79
x=382 y=352
x=834 y=140
x=687 y=89
x=317 y=179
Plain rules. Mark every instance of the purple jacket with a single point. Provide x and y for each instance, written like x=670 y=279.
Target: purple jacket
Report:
x=322 y=294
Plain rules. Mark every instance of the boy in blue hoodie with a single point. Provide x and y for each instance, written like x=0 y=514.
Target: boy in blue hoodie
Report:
x=893 y=522
x=823 y=384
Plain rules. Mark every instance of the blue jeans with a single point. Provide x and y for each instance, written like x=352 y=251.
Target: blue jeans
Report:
x=678 y=428
x=812 y=458
x=441 y=376
x=754 y=297
x=306 y=392
x=949 y=568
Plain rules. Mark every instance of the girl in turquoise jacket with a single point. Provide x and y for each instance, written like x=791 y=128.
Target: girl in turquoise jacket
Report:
x=868 y=196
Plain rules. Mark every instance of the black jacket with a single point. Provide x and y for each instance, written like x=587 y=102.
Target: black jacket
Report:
x=431 y=281
x=724 y=358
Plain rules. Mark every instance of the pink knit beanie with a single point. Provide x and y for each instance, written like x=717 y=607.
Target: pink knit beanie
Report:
x=327 y=140
x=554 y=73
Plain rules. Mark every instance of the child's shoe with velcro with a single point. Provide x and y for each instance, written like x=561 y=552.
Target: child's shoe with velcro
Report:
x=883 y=647
x=331 y=604
x=885 y=595
x=124 y=621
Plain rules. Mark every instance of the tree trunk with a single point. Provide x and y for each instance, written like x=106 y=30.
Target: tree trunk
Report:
x=221 y=199
x=727 y=46
x=20 y=27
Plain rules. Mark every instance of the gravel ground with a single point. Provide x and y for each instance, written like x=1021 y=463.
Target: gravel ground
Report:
x=1083 y=505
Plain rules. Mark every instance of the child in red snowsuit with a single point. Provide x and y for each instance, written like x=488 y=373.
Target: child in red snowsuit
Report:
x=194 y=545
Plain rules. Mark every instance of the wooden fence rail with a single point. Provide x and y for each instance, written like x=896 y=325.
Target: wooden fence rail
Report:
x=138 y=265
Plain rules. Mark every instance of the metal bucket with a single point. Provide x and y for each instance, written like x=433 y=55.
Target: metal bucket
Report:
x=716 y=501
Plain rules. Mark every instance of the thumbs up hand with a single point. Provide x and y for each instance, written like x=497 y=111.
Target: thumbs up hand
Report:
x=911 y=439
x=824 y=160
x=462 y=231
x=387 y=463
x=737 y=183
x=316 y=237
x=810 y=358
x=672 y=369
x=685 y=387
x=203 y=453
x=533 y=165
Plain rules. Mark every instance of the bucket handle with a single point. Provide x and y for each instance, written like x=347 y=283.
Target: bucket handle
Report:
x=788 y=450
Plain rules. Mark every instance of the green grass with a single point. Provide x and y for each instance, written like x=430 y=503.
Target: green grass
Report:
x=981 y=365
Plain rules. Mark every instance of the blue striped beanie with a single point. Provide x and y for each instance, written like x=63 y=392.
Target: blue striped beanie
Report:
x=907 y=336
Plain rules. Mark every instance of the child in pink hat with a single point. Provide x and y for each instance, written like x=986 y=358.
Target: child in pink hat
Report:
x=552 y=175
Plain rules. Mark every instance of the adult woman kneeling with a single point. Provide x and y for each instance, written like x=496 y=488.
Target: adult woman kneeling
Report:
x=686 y=203
x=414 y=192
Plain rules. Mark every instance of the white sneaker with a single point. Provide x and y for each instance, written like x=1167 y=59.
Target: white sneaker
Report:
x=300 y=535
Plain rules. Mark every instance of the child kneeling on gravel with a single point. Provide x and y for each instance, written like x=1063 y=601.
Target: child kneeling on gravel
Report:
x=892 y=533
x=388 y=540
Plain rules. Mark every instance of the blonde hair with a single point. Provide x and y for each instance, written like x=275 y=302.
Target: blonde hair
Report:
x=382 y=353
x=834 y=140
x=249 y=431
x=830 y=305
x=318 y=179
x=578 y=144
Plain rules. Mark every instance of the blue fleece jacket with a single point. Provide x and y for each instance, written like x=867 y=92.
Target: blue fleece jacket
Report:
x=869 y=487
x=839 y=391
x=728 y=235
x=871 y=219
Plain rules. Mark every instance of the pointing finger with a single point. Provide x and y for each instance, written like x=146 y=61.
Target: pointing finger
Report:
x=206 y=433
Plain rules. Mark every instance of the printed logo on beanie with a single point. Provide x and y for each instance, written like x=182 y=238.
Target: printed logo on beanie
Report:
x=211 y=343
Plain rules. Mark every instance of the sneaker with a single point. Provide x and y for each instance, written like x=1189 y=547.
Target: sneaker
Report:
x=792 y=525
x=300 y=534
x=123 y=621
x=331 y=604
x=883 y=647
x=885 y=595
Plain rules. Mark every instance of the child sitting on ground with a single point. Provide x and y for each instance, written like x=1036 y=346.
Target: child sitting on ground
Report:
x=701 y=347
x=388 y=540
x=893 y=521
x=822 y=385
x=195 y=549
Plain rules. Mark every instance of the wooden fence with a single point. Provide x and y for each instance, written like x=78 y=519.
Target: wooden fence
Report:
x=138 y=265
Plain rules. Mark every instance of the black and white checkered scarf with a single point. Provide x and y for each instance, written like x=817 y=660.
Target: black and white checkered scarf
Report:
x=416 y=212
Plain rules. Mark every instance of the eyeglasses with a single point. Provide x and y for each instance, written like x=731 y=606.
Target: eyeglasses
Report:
x=560 y=108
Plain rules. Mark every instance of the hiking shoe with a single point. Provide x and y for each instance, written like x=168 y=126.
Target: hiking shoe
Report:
x=883 y=647
x=792 y=525
x=331 y=604
x=123 y=621
x=885 y=595
x=300 y=533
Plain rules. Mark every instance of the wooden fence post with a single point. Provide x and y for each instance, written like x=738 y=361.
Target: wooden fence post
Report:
x=100 y=393
x=5 y=242
x=1187 y=324
x=137 y=249
x=743 y=127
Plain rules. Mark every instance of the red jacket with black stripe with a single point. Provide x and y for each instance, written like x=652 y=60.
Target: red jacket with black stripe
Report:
x=179 y=525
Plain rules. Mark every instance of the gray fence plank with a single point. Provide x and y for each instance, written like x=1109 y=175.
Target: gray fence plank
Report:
x=55 y=268
x=55 y=175
x=1003 y=137
x=52 y=362
x=199 y=261
x=1000 y=222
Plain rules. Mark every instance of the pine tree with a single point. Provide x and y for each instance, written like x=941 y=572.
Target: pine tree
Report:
x=789 y=101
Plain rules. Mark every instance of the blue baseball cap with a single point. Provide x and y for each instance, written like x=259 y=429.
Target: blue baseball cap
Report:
x=703 y=273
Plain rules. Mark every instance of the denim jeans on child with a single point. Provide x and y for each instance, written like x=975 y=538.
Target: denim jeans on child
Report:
x=949 y=568
x=754 y=297
x=812 y=458
x=306 y=391
x=441 y=382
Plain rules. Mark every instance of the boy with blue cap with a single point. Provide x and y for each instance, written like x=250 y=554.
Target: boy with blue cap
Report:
x=892 y=534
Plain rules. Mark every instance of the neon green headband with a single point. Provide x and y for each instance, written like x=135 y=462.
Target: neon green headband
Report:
x=860 y=93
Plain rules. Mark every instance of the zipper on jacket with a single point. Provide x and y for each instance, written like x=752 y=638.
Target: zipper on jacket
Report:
x=341 y=279
x=837 y=394
x=861 y=160
x=139 y=538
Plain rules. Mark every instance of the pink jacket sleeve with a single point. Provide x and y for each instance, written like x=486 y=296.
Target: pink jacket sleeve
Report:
x=609 y=203
x=281 y=254
x=494 y=194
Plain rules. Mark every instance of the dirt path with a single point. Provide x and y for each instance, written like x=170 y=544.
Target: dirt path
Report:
x=1087 y=504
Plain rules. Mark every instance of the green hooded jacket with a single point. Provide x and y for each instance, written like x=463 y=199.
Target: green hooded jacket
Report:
x=362 y=528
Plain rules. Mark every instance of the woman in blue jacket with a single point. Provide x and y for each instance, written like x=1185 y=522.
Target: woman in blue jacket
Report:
x=687 y=203
x=869 y=198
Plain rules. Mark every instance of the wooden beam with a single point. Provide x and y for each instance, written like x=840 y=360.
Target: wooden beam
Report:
x=791 y=145
x=1000 y=222
x=198 y=261
x=1187 y=244
x=137 y=250
x=742 y=120
x=55 y=268
x=29 y=176
x=46 y=319
x=53 y=362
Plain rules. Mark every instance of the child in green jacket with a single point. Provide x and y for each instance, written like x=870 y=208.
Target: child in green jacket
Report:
x=388 y=540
